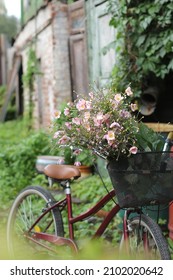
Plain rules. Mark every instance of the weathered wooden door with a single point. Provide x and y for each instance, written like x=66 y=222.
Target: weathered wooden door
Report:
x=99 y=36
x=78 y=49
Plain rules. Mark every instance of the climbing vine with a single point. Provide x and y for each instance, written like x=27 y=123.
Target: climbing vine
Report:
x=29 y=79
x=144 y=40
x=31 y=70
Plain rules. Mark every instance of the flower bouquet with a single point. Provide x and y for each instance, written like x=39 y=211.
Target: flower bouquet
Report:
x=105 y=123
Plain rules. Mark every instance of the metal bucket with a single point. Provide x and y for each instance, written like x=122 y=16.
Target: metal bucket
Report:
x=43 y=161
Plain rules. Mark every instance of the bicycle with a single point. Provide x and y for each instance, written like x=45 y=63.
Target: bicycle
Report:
x=36 y=217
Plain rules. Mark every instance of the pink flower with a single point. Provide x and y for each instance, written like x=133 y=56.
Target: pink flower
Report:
x=88 y=105
x=114 y=104
x=87 y=115
x=133 y=150
x=57 y=114
x=87 y=126
x=115 y=124
x=99 y=116
x=91 y=94
x=63 y=140
x=118 y=97
x=128 y=91
x=110 y=135
x=68 y=125
x=110 y=139
x=106 y=117
x=77 y=152
x=81 y=105
x=61 y=161
x=96 y=122
x=133 y=107
x=56 y=134
x=125 y=114
x=98 y=119
x=77 y=163
x=76 y=121
x=66 y=111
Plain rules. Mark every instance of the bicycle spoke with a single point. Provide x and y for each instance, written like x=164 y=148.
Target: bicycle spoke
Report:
x=27 y=208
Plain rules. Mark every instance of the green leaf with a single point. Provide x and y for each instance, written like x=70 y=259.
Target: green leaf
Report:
x=170 y=65
x=145 y=23
x=153 y=10
x=141 y=40
x=162 y=52
x=146 y=36
x=148 y=139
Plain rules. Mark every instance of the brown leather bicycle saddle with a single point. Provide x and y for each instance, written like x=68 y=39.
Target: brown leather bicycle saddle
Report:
x=62 y=172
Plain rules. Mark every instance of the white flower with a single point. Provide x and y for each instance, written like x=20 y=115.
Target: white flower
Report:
x=118 y=97
x=110 y=135
x=57 y=114
x=128 y=91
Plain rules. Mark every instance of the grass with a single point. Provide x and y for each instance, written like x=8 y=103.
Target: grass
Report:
x=11 y=132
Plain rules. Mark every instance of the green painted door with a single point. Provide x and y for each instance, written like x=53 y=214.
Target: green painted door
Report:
x=99 y=36
x=78 y=49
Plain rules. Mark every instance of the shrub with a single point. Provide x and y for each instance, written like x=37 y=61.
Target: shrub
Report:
x=143 y=41
x=17 y=162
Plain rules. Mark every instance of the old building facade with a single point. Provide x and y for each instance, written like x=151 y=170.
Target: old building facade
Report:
x=47 y=34
x=67 y=40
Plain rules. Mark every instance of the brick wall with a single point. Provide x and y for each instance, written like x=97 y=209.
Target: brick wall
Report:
x=53 y=86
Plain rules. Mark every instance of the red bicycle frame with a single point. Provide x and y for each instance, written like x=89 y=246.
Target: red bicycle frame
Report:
x=67 y=201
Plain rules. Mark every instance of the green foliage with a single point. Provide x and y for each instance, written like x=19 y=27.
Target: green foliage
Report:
x=144 y=40
x=12 y=132
x=31 y=70
x=2 y=95
x=8 y=26
x=148 y=139
x=94 y=191
x=28 y=80
x=11 y=109
x=19 y=150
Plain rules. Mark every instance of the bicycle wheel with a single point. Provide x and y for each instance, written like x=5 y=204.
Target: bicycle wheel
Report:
x=27 y=207
x=146 y=240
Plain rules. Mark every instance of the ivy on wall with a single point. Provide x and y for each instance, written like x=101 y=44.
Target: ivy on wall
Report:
x=29 y=79
x=31 y=70
x=144 y=40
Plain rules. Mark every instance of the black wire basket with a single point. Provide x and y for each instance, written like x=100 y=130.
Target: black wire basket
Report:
x=143 y=179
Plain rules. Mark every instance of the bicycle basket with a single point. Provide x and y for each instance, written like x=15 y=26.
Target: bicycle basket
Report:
x=143 y=179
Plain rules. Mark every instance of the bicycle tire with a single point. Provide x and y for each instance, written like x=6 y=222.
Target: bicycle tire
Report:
x=157 y=246
x=30 y=203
